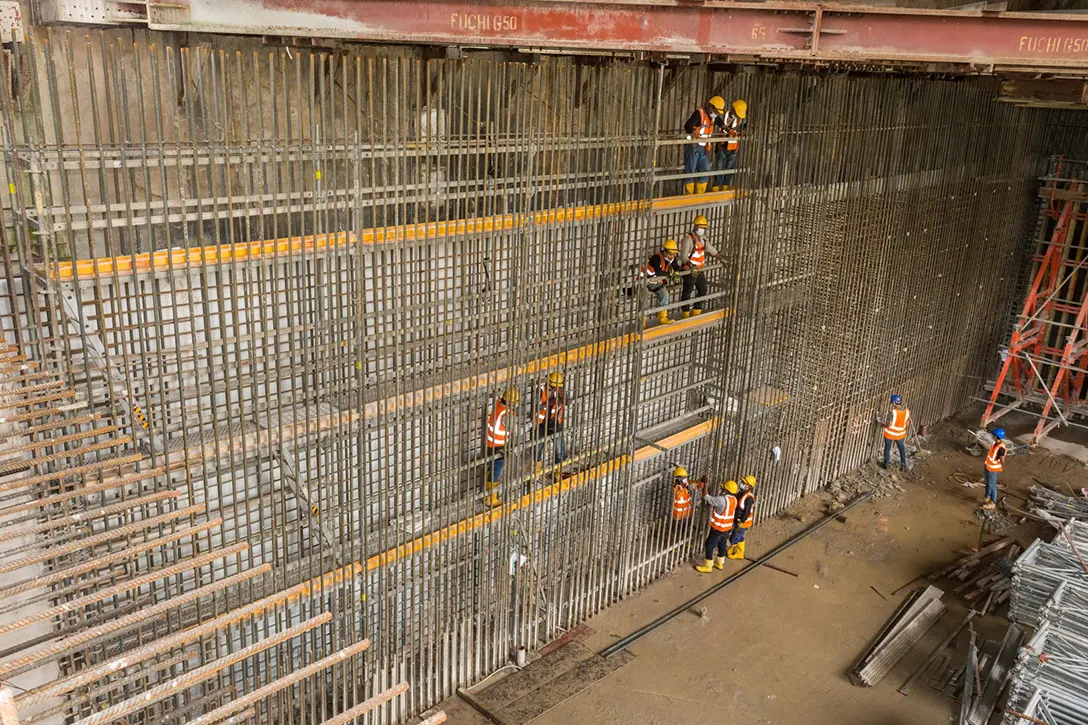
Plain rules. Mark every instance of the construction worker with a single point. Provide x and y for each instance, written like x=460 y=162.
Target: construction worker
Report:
x=550 y=414
x=733 y=121
x=694 y=249
x=895 y=429
x=496 y=438
x=683 y=491
x=995 y=460
x=723 y=511
x=746 y=515
x=658 y=272
x=701 y=126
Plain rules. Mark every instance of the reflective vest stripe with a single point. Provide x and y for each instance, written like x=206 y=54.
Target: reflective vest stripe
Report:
x=551 y=406
x=698 y=251
x=681 y=502
x=993 y=463
x=496 y=426
x=732 y=124
x=724 y=521
x=706 y=126
x=897 y=429
x=748 y=496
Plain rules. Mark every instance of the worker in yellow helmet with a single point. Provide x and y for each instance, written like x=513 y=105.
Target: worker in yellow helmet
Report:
x=746 y=515
x=550 y=416
x=700 y=127
x=723 y=511
x=683 y=493
x=656 y=274
x=694 y=249
x=733 y=122
x=495 y=439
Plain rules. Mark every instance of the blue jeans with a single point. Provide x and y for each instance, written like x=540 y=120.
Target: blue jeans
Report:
x=888 y=453
x=716 y=543
x=737 y=536
x=495 y=466
x=726 y=161
x=559 y=444
x=696 y=158
x=991 y=485
x=661 y=295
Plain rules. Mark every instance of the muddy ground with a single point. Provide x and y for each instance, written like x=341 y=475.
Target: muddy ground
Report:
x=775 y=648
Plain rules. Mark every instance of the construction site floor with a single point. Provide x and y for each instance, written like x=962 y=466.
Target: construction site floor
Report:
x=775 y=648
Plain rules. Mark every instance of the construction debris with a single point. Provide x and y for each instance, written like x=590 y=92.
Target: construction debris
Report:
x=1055 y=504
x=914 y=617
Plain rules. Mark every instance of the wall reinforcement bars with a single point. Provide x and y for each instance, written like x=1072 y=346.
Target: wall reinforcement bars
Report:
x=279 y=287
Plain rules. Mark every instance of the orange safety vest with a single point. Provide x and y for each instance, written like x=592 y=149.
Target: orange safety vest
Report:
x=551 y=406
x=705 y=128
x=897 y=429
x=654 y=278
x=747 y=523
x=724 y=521
x=698 y=251
x=732 y=124
x=496 y=426
x=681 y=502
x=993 y=463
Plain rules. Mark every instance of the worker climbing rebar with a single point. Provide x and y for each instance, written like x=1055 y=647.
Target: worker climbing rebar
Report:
x=661 y=268
x=694 y=250
x=550 y=416
x=733 y=121
x=723 y=511
x=995 y=464
x=701 y=126
x=746 y=515
x=496 y=438
x=896 y=424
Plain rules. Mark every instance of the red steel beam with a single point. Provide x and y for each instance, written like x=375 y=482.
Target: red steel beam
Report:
x=782 y=31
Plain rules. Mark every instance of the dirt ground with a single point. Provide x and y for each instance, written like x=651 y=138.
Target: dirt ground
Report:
x=774 y=648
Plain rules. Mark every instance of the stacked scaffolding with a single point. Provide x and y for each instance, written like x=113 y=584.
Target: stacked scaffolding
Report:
x=294 y=279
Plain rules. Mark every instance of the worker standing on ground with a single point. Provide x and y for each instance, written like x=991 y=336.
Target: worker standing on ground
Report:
x=658 y=271
x=723 y=510
x=995 y=460
x=746 y=515
x=701 y=127
x=550 y=414
x=694 y=249
x=896 y=425
x=733 y=121
x=496 y=438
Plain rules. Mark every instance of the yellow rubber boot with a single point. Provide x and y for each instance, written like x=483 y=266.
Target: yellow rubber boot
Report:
x=689 y=188
x=493 y=500
x=700 y=187
x=706 y=568
x=719 y=562
x=715 y=188
x=663 y=318
x=696 y=312
x=736 y=551
x=686 y=314
x=539 y=467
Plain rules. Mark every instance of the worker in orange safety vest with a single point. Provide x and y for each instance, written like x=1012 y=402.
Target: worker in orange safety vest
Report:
x=694 y=249
x=684 y=492
x=496 y=436
x=723 y=511
x=701 y=126
x=896 y=425
x=995 y=464
x=550 y=416
x=733 y=122
x=746 y=515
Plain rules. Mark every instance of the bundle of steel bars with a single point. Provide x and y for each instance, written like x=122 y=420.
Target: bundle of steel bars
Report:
x=1055 y=504
x=294 y=280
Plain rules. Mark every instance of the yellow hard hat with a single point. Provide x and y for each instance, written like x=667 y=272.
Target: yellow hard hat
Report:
x=670 y=245
x=718 y=103
x=731 y=486
x=680 y=472
x=749 y=481
x=555 y=380
x=511 y=396
x=701 y=222
x=740 y=108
